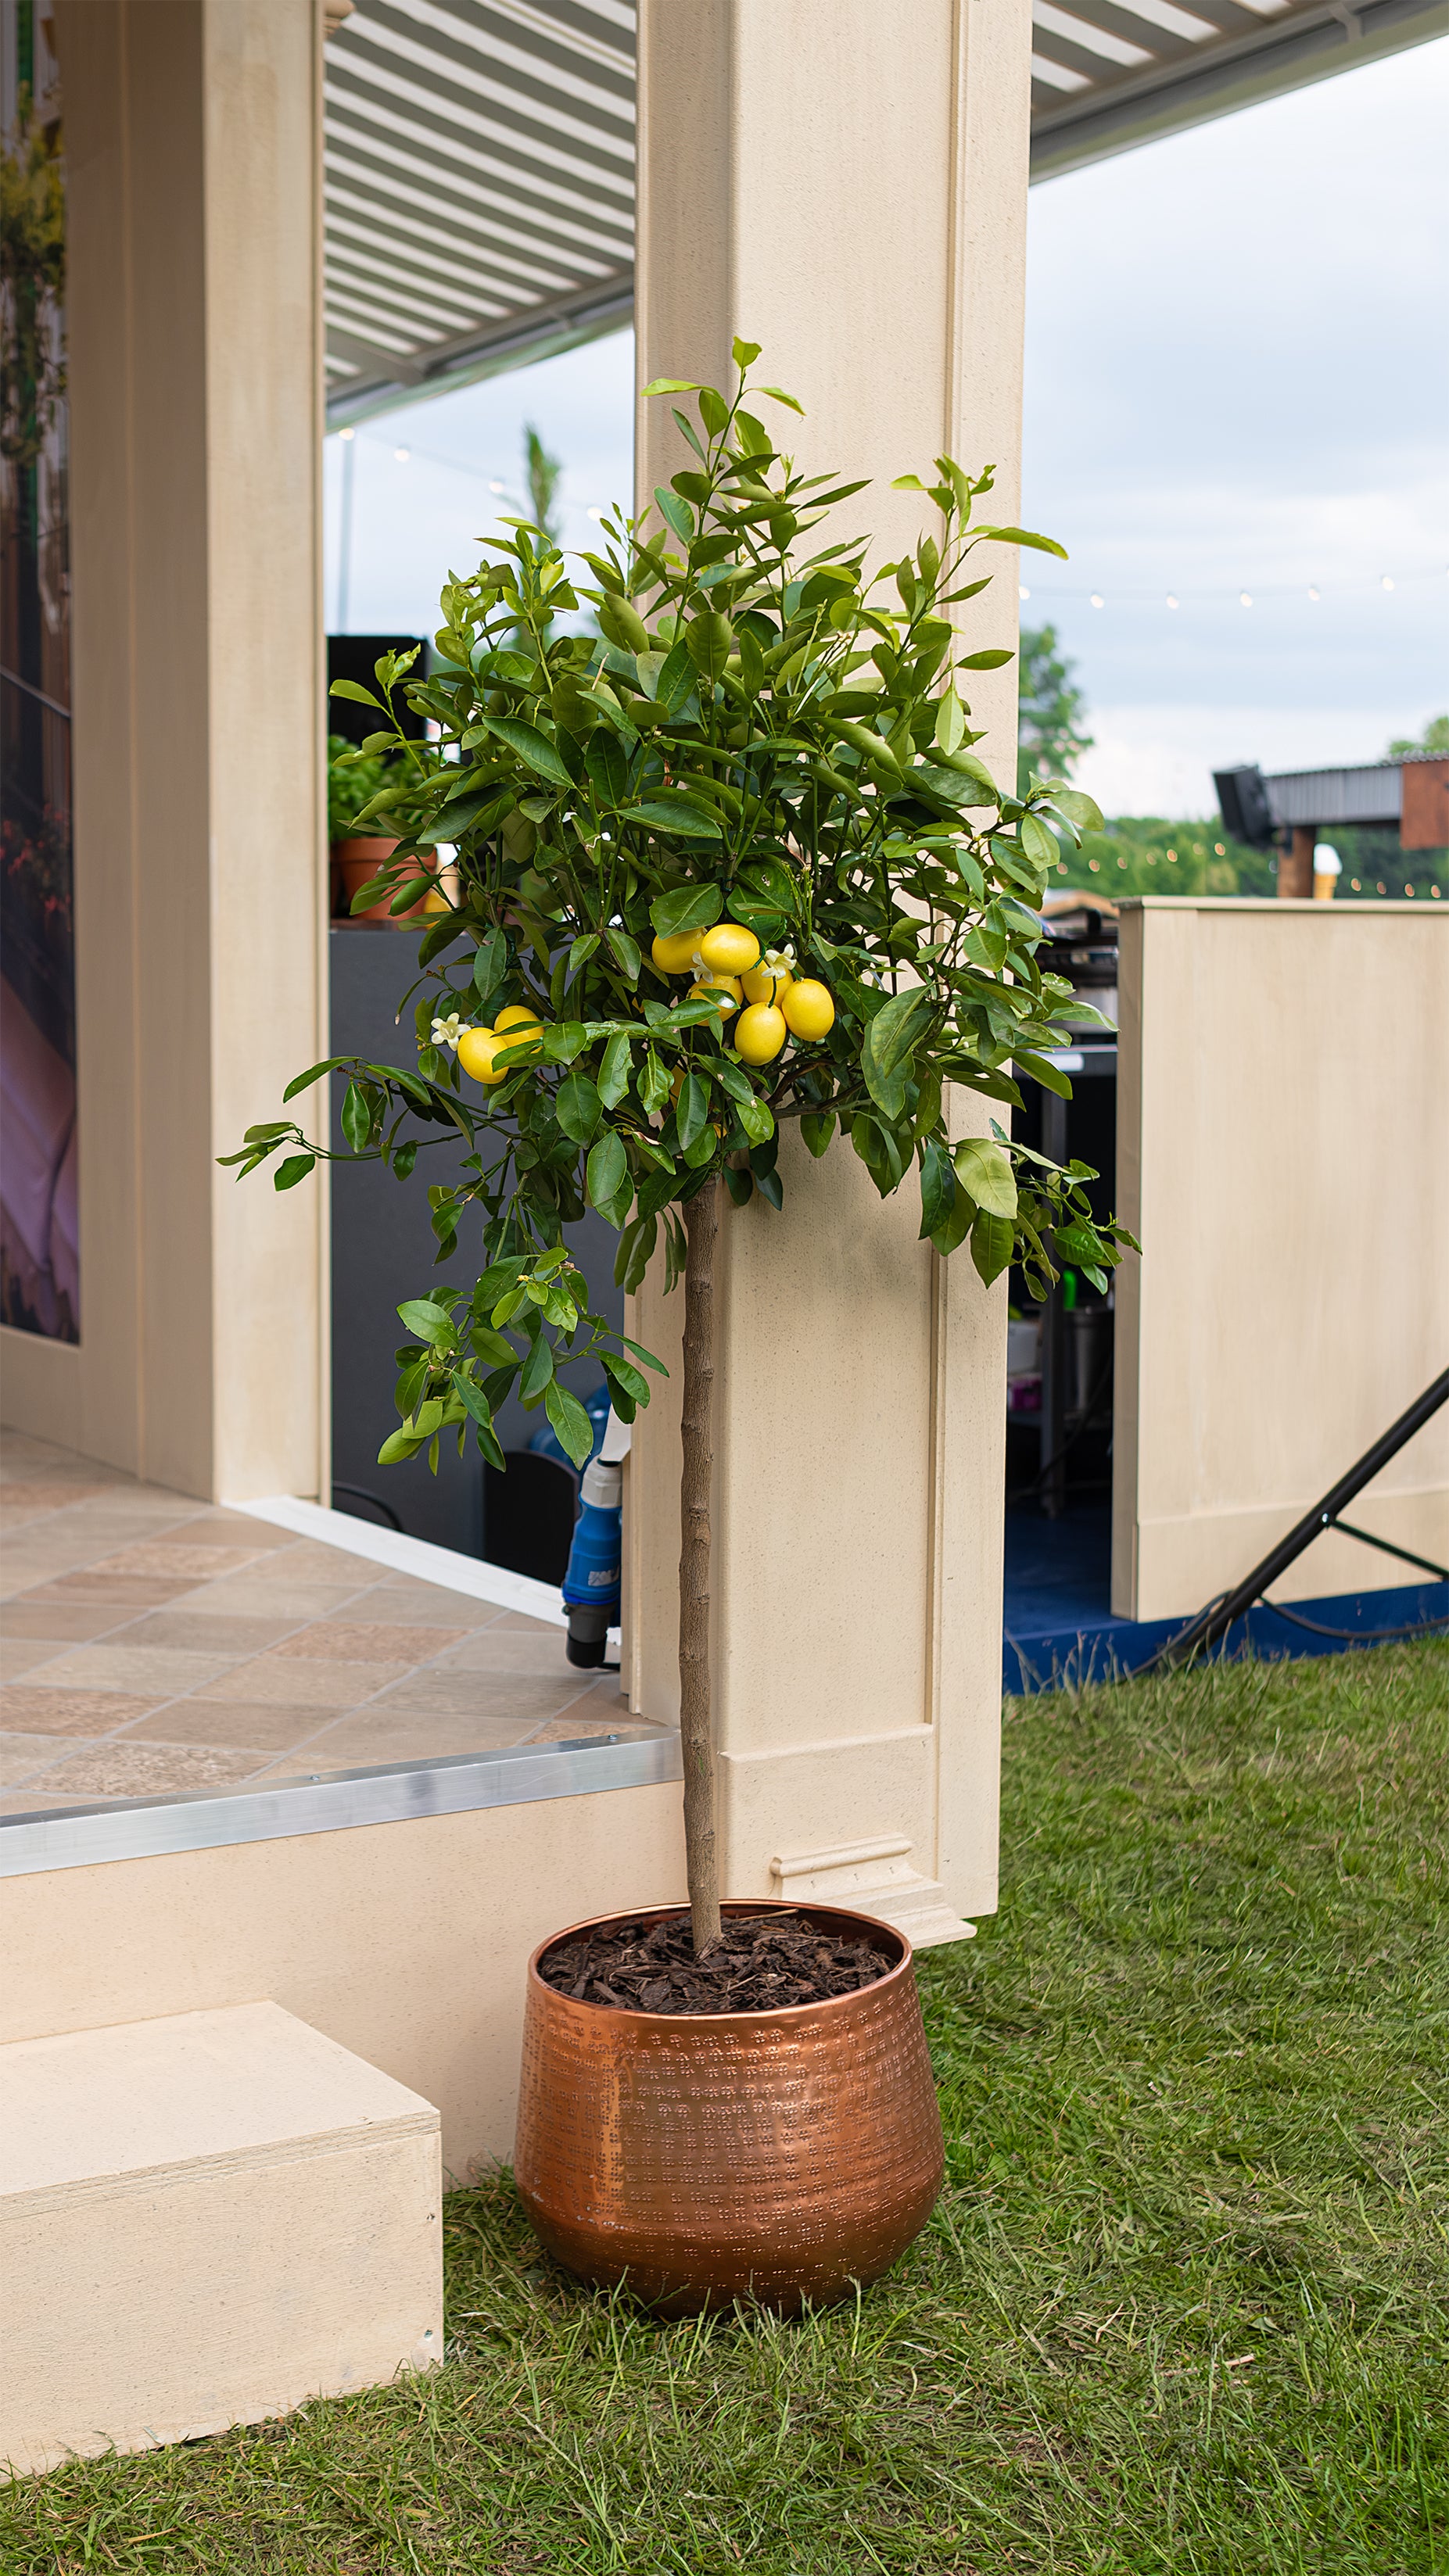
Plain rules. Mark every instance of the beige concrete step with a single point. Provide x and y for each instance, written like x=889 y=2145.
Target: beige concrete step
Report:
x=205 y=2220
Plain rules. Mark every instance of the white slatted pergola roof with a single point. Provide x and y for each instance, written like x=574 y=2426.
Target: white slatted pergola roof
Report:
x=479 y=154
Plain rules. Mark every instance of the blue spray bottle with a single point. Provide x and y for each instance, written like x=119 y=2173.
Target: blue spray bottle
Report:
x=591 y=1584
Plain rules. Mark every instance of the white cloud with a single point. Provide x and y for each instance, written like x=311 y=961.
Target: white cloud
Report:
x=1234 y=383
x=1159 y=758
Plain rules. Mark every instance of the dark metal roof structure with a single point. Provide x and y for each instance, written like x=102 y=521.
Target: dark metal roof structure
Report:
x=479 y=154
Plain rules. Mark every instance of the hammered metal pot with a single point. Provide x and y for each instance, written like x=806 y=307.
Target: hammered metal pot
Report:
x=774 y=2156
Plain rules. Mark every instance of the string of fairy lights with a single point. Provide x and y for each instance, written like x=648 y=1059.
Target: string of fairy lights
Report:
x=1138 y=597
x=1045 y=595
x=1260 y=596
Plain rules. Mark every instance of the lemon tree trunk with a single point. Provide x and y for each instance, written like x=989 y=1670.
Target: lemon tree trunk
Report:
x=701 y=1227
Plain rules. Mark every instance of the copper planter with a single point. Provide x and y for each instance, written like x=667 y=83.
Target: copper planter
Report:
x=775 y=2156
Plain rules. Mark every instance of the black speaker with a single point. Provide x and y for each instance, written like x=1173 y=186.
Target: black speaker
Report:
x=528 y=1515
x=1244 y=807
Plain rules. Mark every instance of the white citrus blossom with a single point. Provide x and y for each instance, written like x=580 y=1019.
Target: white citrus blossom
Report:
x=447 y=1032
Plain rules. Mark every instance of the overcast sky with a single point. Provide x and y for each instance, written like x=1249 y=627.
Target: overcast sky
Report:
x=1237 y=380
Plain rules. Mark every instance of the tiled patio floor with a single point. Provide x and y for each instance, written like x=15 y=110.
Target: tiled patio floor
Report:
x=150 y=1644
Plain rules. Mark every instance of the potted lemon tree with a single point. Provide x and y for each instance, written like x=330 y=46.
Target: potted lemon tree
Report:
x=729 y=863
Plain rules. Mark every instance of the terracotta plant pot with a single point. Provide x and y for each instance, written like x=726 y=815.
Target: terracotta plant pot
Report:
x=773 y=2156
x=357 y=861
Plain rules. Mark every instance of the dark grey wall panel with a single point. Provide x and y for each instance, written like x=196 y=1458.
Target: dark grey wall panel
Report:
x=383 y=1250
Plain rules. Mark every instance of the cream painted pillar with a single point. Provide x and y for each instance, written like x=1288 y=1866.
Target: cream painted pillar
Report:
x=843 y=181
x=192 y=132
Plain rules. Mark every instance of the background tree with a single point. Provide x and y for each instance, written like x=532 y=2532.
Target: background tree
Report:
x=1051 y=710
x=1434 y=738
x=730 y=864
x=544 y=474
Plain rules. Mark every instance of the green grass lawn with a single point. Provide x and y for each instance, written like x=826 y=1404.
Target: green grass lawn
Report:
x=1185 y=2302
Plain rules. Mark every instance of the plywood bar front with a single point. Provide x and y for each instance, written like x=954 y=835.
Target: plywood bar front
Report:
x=1283 y=1082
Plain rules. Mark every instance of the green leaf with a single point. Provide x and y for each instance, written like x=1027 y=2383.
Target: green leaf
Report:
x=744 y=354
x=675 y=684
x=653 y=1084
x=950 y=722
x=490 y=965
x=302 y=1082
x=1026 y=537
x=955 y=1226
x=614 y=1071
x=938 y=1186
x=1080 y=1243
x=1078 y=808
x=676 y=513
x=428 y=1320
x=577 y=1107
x=607 y=767
x=886 y=1050
x=572 y=1425
x=992 y=1241
x=537 y=1369
x=692 y=1112
x=674 y=817
x=1038 y=841
x=817 y=1127
x=777 y=396
x=626 y=953
x=670 y=385
x=1050 y=1076
x=399 y=1445
x=294 y=1169
x=990 y=660
x=709 y=639
x=622 y=1374
x=355 y=690
x=757 y=1119
x=985 y=1172
x=636 y=1244
x=356 y=1118
x=531 y=746
x=563 y=1041
x=686 y=907
x=607 y=1173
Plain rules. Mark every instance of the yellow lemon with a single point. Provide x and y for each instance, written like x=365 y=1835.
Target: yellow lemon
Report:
x=517 y=1027
x=675 y=956
x=808 y=1009
x=725 y=987
x=766 y=983
x=729 y=948
x=476 y=1049
x=759 y=1033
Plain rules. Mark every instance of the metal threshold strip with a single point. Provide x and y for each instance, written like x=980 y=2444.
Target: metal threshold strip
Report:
x=456 y=1784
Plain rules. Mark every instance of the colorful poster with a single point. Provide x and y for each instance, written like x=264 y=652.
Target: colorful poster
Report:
x=39 y=1233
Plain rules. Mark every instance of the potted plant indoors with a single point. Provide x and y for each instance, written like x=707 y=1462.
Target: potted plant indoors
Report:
x=730 y=862
x=360 y=780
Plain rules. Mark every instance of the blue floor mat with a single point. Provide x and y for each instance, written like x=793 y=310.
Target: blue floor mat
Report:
x=1058 y=1624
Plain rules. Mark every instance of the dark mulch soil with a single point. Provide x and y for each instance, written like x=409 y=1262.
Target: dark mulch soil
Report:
x=759 y=1963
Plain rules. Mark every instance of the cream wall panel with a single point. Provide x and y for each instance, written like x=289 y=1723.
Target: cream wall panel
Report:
x=1285 y=1073
x=405 y=1942
x=843 y=181
x=195 y=433
x=170 y=2159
